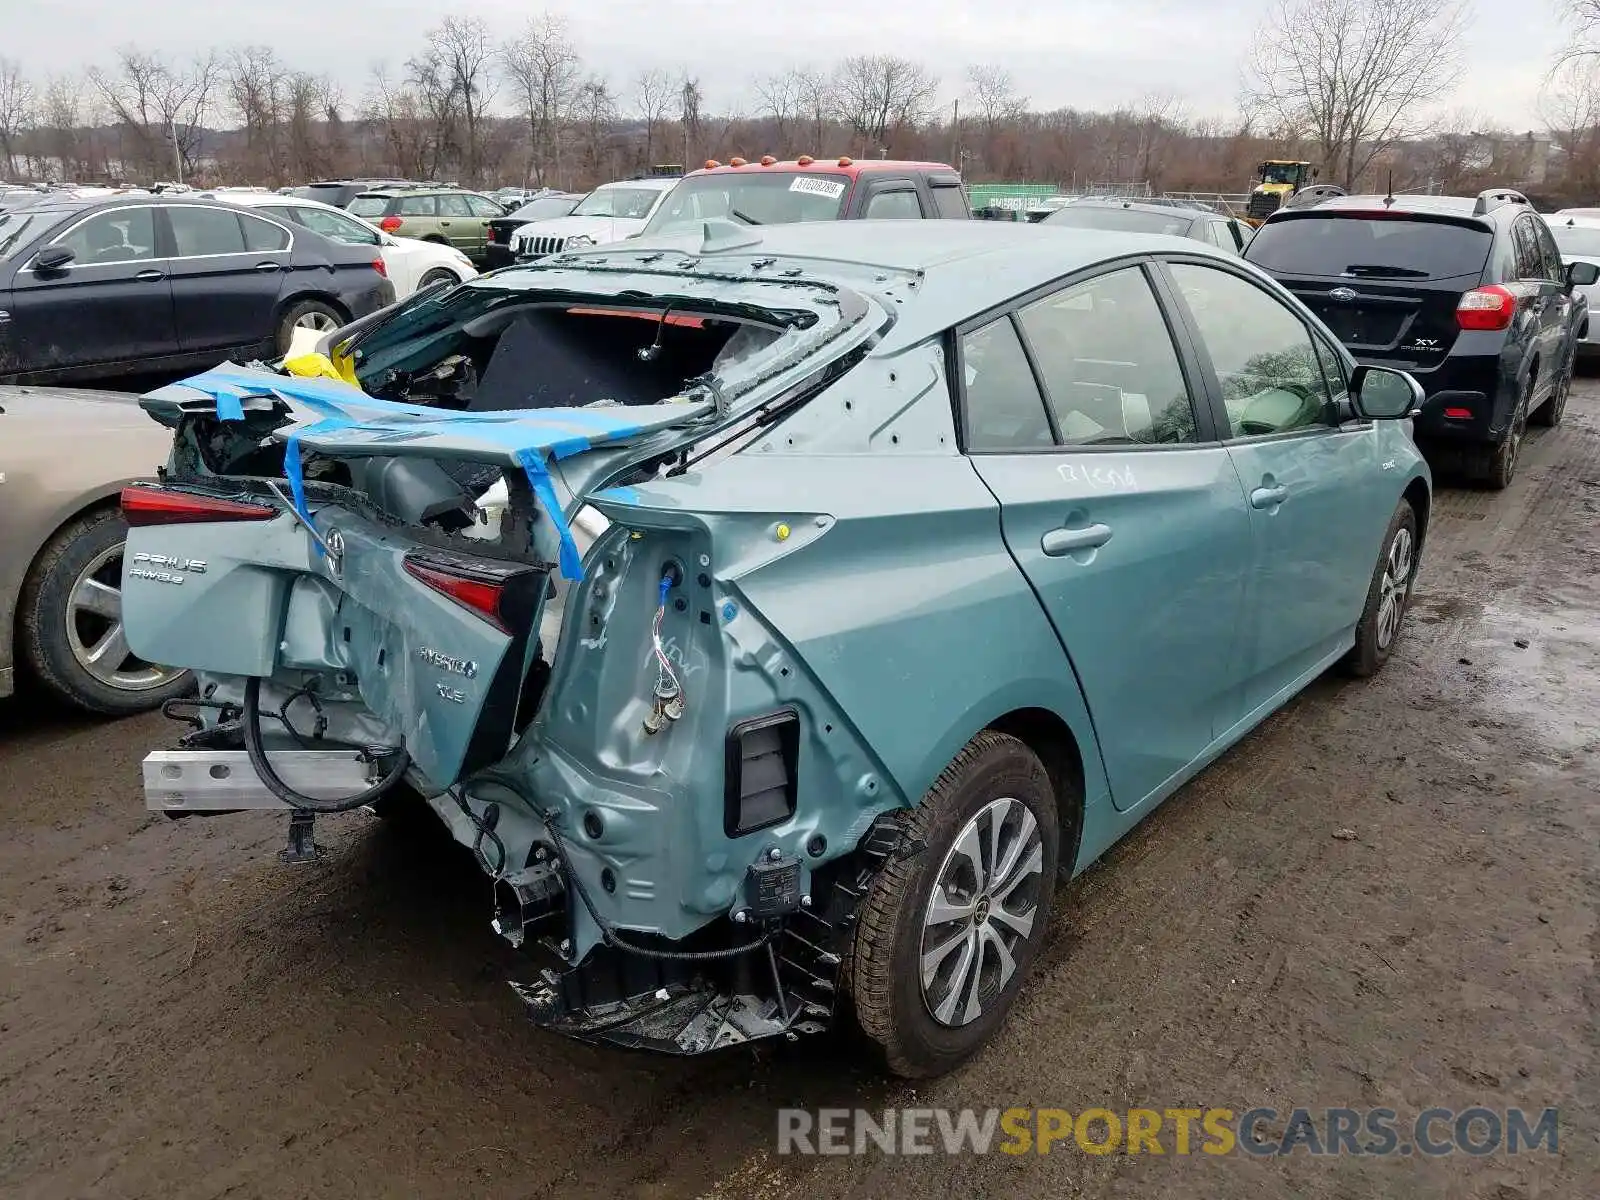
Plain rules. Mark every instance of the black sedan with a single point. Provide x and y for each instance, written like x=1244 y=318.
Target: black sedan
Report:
x=1131 y=216
x=543 y=207
x=93 y=289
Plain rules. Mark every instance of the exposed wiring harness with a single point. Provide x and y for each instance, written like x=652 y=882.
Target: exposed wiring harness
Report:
x=251 y=721
x=668 y=702
x=608 y=931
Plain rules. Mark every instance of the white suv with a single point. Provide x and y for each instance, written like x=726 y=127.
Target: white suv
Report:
x=611 y=212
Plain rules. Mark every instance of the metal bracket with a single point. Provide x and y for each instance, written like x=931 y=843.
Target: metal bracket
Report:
x=302 y=847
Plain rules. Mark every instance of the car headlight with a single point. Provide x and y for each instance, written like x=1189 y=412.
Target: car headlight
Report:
x=578 y=239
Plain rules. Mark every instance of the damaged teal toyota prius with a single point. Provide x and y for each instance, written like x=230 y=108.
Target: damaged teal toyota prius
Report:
x=779 y=613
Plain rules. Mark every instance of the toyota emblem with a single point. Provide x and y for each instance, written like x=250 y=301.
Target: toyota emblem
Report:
x=1343 y=295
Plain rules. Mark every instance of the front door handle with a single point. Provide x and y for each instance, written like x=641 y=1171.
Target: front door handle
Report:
x=1267 y=497
x=1065 y=540
x=267 y=266
x=149 y=276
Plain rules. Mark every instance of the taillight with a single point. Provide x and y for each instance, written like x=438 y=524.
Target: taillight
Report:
x=390 y=224
x=1489 y=307
x=381 y=267
x=468 y=588
x=157 y=506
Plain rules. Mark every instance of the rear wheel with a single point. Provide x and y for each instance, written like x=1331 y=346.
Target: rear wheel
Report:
x=1550 y=412
x=438 y=275
x=1499 y=463
x=316 y=315
x=946 y=935
x=1387 y=595
x=70 y=623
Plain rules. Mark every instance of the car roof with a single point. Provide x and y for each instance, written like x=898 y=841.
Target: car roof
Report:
x=827 y=166
x=1157 y=210
x=967 y=267
x=653 y=182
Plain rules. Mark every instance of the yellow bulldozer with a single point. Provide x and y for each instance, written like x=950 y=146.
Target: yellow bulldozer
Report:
x=1276 y=181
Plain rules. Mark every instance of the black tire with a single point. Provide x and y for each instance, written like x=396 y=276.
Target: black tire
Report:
x=1376 y=634
x=1498 y=464
x=1550 y=412
x=438 y=275
x=884 y=965
x=48 y=627
x=302 y=310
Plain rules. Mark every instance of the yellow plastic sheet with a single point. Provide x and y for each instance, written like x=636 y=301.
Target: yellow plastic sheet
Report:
x=320 y=366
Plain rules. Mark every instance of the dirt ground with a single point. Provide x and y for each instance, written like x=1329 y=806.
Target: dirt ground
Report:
x=181 y=1016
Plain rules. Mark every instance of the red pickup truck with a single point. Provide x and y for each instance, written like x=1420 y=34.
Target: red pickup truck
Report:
x=770 y=192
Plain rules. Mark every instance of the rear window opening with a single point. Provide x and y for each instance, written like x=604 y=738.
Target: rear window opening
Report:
x=1122 y=220
x=539 y=355
x=1357 y=247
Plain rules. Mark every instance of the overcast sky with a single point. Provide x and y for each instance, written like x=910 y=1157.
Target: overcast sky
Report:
x=1084 y=53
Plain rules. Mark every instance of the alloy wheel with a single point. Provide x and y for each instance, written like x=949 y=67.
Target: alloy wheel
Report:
x=321 y=322
x=981 y=910
x=1394 y=586
x=95 y=632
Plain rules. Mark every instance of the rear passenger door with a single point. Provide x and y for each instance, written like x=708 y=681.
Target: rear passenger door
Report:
x=1317 y=518
x=1558 y=313
x=892 y=199
x=1121 y=507
x=228 y=269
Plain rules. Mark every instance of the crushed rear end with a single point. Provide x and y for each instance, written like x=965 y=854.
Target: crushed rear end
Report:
x=576 y=683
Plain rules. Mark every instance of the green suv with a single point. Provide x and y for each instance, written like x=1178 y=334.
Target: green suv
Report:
x=445 y=215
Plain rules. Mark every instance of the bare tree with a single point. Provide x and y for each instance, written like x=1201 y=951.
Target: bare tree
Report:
x=16 y=109
x=455 y=77
x=1356 y=76
x=1570 y=107
x=997 y=104
x=160 y=107
x=545 y=72
x=691 y=100
x=254 y=81
x=781 y=96
x=814 y=101
x=63 y=113
x=652 y=94
x=880 y=93
x=596 y=115
x=396 y=111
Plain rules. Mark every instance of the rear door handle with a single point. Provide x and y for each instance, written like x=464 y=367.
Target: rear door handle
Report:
x=268 y=266
x=1065 y=540
x=1266 y=497
x=149 y=276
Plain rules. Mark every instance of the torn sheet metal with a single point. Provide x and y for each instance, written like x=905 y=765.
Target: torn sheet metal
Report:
x=340 y=418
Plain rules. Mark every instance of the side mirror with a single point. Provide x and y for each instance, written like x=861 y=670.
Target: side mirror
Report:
x=1582 y=274
x=53 y=258
x=1382 y=394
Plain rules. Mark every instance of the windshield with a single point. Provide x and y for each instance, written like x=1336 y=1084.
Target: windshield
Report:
x=1280 y=173
x=545 y=208
x=1126 y=220
x=1581 y=240
x=368 y=206
x=633 y=203
x=1385 y=247
x=767 y=199
x=14 y=229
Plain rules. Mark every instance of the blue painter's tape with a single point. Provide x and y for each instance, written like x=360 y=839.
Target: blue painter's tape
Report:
x=539 y=480
x=230 y=406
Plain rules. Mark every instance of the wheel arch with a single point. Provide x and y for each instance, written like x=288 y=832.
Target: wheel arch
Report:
x=102 y=497
x=1420 y=498
x=287 y=302
x=1051 y=738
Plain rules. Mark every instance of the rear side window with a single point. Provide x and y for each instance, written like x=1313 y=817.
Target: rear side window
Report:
x=1525 y=243
x=202 y=231
x=1370 y=248
x=415 y=206
x=894 y=206
x=949 y=203
x=263 y=235
x=1004 y=408
x=368 y=206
